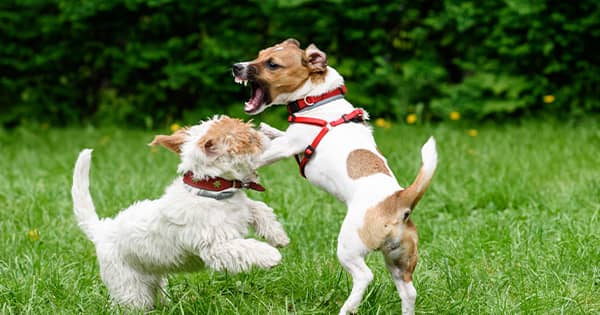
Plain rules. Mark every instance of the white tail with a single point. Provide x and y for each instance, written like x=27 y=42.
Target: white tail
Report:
x=80 y=192
x=413 y=193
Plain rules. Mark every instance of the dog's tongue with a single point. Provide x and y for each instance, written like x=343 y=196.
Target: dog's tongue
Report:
x=255 y=99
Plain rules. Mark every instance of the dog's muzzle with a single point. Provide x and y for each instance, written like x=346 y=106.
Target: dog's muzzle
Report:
x=245 y=73
x=239 y=71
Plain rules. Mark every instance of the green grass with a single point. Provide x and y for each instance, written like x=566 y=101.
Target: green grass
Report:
x=510 y=225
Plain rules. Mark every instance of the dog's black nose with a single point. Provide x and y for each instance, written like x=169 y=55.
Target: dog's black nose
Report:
x=237 y=68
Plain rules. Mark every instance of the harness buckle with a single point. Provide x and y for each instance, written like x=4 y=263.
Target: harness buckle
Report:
x=354 y=117
x=359 y=117
x=309 y=151
x=307 y=102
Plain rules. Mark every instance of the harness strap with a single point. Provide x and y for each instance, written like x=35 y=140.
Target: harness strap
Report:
x=307 y=120
x=314 y=101
x=356 y=115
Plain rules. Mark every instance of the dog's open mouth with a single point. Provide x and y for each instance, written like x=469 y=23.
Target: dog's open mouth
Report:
x=258 y=97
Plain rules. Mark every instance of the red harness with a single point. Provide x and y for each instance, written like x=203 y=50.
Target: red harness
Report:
x=308 y=101
x=356 y=115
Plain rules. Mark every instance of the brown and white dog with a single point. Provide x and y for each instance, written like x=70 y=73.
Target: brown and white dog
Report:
x=341 y=158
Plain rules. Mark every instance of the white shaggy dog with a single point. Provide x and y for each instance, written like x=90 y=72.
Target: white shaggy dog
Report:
x=199 y=221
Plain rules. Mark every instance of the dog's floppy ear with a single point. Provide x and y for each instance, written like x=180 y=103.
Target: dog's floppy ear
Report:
x=291 y=41
x=317 y=60
x=210 y=147
x=172 y=142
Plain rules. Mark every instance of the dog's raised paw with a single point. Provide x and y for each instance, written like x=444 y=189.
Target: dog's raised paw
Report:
x=279 y=239
x=269 y=131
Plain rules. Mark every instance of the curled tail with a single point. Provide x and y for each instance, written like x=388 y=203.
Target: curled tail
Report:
x=410 y=196
x=80 y=192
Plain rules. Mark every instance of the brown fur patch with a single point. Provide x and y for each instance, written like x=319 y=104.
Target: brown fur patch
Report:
x=232 y=136
x=362 y=163
x=384 y=229
x=172 y=142
x=380 y=222
x=408 y=260
x=375 y=229
x=293 y=72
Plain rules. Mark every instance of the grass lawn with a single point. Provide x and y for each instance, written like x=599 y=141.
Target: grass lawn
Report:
x=510 y=225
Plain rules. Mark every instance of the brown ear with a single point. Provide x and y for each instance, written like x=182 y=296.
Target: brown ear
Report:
x=172 y=142
x=291 y=41
x=210 y=148
x=317 y=60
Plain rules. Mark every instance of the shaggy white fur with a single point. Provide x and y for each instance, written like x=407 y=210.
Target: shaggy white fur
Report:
x=180 y=231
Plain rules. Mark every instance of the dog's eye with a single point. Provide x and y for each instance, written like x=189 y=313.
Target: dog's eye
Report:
x=271 y=65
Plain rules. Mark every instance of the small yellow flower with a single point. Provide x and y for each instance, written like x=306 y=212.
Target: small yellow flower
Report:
x=382 y=123
x=174 y=127
x=45 y=126
x=411 y=119
x=104 y=140
x=471 y=152
x=472 y=132
x=153 y=149
x=549 y=99
x=34 y=235
x=454 y=116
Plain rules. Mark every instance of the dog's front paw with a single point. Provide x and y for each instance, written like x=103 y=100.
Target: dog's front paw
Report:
x=267 y=256
x=274 y=233
x=279 y=238
x=269 y=131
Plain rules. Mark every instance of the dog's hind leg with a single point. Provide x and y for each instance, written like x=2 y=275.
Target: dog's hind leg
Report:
x=351 y=254
x=126 y=286
x=240 y=255
x=401 y=263
x=163 y=295
x=406 y=290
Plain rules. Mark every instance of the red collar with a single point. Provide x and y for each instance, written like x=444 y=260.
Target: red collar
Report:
x=219 y=183
x=308 y=101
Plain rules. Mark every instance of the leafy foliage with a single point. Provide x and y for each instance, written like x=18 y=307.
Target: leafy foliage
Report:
x=144 y=62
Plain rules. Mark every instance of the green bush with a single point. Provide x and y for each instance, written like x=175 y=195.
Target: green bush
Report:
x=149 y=62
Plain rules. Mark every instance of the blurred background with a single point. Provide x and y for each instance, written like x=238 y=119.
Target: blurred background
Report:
x=151 y=63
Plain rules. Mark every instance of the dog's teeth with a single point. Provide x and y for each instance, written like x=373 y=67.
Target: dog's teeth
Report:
x=245 y=82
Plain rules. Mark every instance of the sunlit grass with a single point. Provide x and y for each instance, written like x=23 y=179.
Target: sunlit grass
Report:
x=510 y=225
